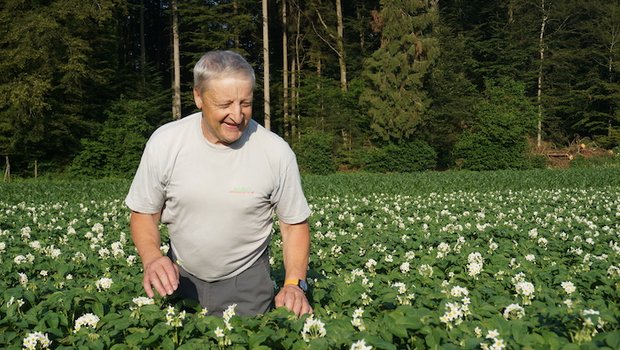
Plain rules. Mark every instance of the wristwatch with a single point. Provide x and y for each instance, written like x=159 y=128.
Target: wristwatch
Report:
x=299 y=283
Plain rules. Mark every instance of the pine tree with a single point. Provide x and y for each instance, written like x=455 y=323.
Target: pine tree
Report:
x=395 y=73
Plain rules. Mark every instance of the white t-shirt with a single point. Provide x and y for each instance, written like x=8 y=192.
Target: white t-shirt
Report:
x=218 y=201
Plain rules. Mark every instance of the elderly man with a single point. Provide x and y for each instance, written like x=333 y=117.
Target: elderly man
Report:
x=215 y=179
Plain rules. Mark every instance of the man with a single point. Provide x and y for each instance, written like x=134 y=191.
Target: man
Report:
x=215 y=178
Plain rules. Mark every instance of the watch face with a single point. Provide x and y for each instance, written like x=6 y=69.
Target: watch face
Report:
x=303 y=285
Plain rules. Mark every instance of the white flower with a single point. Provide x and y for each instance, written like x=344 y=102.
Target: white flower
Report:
x=141 y=301
x=172 y=319
x=23 y=279
x=569 y=287
x=514 y=312
x=219 y=332
x=25 y=232
x=360 y=345
x=228 y=314
x=425 y=270
x=525 y=288
x=20 y=259
x=104 y=283
x=89 y=320
x=313 y=329
x=492 y=334
x=530 y=257
x=32 y=339
x=404 y=267
x=370 y=264
x=79 y=257
x=474 y=267
x=402 y=288
x=458 y=291
x=478 y=332
x=357 y=320
x=104 y=253
x=97 y=228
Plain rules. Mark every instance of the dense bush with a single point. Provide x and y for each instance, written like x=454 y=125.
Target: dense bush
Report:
x=118 y=148
x=398 y=158
x=315 y=153
x=496 y=138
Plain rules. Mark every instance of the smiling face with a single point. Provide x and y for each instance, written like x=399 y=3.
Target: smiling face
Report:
x=226 y=106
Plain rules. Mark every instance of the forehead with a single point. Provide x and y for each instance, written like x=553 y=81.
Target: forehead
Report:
x=230 y=87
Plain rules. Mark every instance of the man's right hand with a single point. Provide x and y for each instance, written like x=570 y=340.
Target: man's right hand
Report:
x=162 y=274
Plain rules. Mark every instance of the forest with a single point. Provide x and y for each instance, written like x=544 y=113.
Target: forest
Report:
x=373 y=85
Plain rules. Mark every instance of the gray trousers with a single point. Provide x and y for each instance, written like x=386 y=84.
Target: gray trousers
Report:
x=252 y=290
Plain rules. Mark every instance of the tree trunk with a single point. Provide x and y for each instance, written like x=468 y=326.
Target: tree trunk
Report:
x=176 y=87
x=236 y=12
x=541 y=52
x=285 y=97
x=341 y=55
x=7 y=171
x=36 y=169
x=266 y=66
x=142 y=46
x=298 y=72
x=318 y=87
x=293 y=100
x=360 y=19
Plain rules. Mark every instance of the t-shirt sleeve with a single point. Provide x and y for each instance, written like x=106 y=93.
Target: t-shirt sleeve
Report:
x=147 y=192
x=289 y=200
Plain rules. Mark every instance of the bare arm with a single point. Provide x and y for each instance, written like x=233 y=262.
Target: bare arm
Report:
x=159 y=271
x=296 y=251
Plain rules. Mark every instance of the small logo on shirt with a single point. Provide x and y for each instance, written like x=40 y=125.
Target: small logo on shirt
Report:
x=242 y=191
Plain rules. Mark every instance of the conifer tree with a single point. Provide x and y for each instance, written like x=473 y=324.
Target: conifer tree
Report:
x=395 y=97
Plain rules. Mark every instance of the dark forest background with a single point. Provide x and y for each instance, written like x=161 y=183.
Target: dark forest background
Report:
x=388 y=86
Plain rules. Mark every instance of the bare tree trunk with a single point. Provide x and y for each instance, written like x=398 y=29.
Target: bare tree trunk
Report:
x=285 y=97
x=541 y=51
x=341 y=61
x=358 y=13
x=142 y=45
x=318 y=87
x=236 y=12
x=7 y=171
x=266 y=65
x=293 y=99
x=176 y=87
x=615 y=38
x=298 y=72
x=36 y=169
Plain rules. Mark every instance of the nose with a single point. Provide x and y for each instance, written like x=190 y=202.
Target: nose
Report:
x=236 y=113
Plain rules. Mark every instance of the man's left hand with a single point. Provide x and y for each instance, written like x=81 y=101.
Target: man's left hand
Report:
x=294 y=299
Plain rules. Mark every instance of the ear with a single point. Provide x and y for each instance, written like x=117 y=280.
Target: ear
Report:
x=197 y=98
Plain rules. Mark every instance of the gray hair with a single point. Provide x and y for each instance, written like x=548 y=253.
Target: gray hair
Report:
x=217 y=64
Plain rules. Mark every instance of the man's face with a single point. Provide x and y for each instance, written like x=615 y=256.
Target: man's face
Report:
x=226 y=106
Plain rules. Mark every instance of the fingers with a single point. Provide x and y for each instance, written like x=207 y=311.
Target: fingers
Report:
x=162 y=275
x=294 y=299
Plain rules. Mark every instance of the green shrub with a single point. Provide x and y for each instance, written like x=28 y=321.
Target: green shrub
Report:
x=603 y=161
x=399 y=158
x=315 y=153
x=497 y=137
x=118 y=147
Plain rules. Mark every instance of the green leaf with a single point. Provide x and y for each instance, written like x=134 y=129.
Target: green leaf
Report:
x=613 y=339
